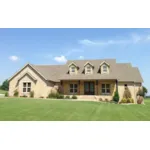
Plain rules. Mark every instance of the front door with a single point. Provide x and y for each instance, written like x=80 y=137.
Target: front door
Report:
x=89 y=88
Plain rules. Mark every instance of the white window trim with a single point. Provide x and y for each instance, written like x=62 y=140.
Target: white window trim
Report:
x=88 y=69
x=26 y=87
x=73 y=69
x=105 y=68
x=73 y=88
x=106 y=89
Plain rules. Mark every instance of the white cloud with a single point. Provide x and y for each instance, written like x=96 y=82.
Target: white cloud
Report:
x=60 y=59
x=14 y=58
x=81 y=57
x=131 y=39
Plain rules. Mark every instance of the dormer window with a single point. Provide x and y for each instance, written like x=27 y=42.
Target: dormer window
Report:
x=88 y=67
x=104 y=67
x=73 y=68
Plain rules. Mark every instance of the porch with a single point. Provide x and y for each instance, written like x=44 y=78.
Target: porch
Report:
x=93 y=89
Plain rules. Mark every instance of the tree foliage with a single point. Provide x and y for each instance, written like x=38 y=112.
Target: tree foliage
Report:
x=5 y=85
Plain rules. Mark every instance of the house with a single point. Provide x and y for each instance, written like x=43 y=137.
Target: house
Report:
x=97 y=78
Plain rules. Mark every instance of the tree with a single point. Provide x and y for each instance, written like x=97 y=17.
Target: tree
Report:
x=145 y=91
x=5 y=85
x=116 y=96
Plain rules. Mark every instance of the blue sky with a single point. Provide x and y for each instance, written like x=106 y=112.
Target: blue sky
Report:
x=55 y=46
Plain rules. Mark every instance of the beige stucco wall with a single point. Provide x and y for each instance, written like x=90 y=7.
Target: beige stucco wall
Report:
x=133 y=87
x=40 y=87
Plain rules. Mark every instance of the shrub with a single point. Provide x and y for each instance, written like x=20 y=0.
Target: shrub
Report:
x=6 y=94
x=127 y=100
x=116 y=96
x=41 y=97
x=16 y=93
x=60 y=96
x=127 y=93
x=67 y=97
x=32 y=94
x=140 y=92
x=100 y=99
x=24 y=96
x=52 y=95
x=55 y=95
x=106 y=100
x=124 y=100
x=74 y=97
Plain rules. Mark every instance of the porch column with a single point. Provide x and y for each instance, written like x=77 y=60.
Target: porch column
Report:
x=97 y=86
x=79 y=87
x=117 y=85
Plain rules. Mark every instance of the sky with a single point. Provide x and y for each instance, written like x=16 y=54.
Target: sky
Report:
x=55 y=46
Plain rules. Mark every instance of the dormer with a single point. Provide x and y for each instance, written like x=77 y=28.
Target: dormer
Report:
x=104 y=68
x=88 y=67
x=73 y=68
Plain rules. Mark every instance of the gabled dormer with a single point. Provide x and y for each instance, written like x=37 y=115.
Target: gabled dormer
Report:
x=104 y=68
x=73 y=68
x=88 y=68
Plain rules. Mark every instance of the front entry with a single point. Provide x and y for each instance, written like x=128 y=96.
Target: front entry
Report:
x=89 y=88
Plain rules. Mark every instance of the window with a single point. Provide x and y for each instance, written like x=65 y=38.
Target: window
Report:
x=126 y=86
x=73 y=69
x=88 y=69
x=26 y=87
x=73 y=88
x=105 y=88
x=104 y=68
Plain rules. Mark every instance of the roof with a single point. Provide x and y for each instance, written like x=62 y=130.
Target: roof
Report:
x=122 y=72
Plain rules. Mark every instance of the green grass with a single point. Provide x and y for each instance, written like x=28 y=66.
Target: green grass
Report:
x=2 y=92
x=22 y=109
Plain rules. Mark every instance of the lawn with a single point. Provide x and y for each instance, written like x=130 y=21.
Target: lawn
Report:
x=2 y=92
x=22 y=109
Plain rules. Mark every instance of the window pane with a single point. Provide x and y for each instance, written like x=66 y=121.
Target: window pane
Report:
x=24 y=84
x=103 y=86
x=75 y=90
x=71 y=90
x=104 y=67
x=75 y=86
x=29 y=89
x=29 y=84
x=24 y=89
x=108 y=90
x=107 y=85
x=103 y=91
x=71 y=85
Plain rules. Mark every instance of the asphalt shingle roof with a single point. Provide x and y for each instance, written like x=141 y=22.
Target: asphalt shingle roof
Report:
x=118 y=71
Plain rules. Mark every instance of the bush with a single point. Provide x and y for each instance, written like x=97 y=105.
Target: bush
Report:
x=32 y=94
x=100 y=99
x=124 y=100
x=67 y=97
x=16 y=93
x=127 y=100
x=55 y=95
x=60 y=96
x=41 y=97
x=140 y=92
x=6 y=94
x=106 y=100
x=127 y=93
x=24 y=96
x=116 y=96
x=74 y=97
x=52 y=95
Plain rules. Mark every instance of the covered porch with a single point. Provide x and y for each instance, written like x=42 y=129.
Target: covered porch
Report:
x=100 y=88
